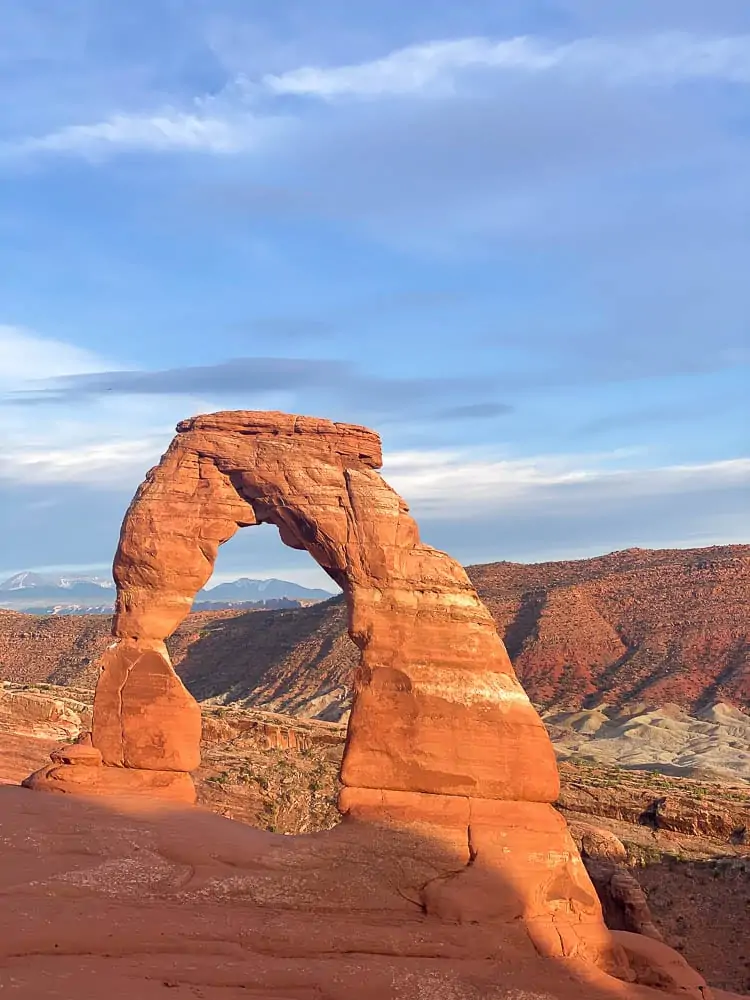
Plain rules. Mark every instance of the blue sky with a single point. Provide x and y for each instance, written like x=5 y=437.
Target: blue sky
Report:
x=512 y=237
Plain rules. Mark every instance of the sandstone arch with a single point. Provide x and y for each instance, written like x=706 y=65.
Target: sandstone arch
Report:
x=437 y=707
x=442 y=737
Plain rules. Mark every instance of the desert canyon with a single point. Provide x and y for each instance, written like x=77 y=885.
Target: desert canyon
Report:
x=452 y=875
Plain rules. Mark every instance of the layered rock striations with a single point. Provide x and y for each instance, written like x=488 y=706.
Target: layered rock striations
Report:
x=630 y=629
x=638 y=626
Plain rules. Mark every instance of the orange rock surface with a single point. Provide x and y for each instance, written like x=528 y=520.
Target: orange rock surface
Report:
x=143 y=716
x=106 y=900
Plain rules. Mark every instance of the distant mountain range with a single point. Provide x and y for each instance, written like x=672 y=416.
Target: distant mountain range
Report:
x=246 y=589
x=69 y=581
x=38 y=593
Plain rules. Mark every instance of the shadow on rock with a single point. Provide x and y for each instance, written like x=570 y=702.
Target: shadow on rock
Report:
x=132 y=898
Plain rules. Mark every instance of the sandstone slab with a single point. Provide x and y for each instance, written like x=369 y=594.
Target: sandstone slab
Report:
x=143 y=715
x=141 y=899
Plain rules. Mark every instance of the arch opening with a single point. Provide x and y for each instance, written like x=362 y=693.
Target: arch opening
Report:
x=261 y=556
x=288 y=656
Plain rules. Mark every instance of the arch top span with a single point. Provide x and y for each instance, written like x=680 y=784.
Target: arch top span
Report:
x=349 y=440
x=234 y=469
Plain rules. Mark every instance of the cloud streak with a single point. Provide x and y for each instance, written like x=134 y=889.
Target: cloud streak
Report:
x=106 y=464
x=434 y=67
x=164 y=132
x=241 y=117
x=440 y=483
x=27 y=357
x=474 y=411
x=478 y=507
x=335 y=385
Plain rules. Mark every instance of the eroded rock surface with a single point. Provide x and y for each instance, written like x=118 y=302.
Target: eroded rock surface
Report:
x=102 y=899
x=623 y=900
x=39 y=715
x=438 y=708
x=244 y=776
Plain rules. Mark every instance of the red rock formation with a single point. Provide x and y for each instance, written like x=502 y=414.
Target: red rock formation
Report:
x=624 y=902
x=442 y=739
x=438 y=707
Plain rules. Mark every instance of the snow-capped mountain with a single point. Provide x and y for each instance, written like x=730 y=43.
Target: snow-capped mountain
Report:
x=23 y=581
x=246 y=589
x=70 y=593
x=29 y=580
x=100 y=581
x=43 y=592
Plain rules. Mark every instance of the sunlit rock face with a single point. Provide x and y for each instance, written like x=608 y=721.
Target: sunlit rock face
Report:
x=437 y=709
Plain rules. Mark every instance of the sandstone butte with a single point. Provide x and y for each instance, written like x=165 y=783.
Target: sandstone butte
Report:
x=448 y=773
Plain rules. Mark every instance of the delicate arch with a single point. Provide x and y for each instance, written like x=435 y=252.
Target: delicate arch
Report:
x=437 y=707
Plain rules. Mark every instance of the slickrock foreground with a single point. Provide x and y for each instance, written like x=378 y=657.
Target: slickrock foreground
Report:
x=154 y=902
x=448 y=770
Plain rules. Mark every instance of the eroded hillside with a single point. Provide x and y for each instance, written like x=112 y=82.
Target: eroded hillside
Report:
x=634 y=627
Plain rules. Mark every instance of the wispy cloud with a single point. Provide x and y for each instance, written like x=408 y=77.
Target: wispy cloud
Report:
x=474 y=411
x=108 y=442
x=104 y=464
x=478 y=508
x=27 y=357
x=440 y=483
x=167 y=131
x=434 y=67
x=329 y=386
x=242 y=116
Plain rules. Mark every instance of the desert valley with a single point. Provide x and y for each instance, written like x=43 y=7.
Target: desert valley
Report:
x=240 y=844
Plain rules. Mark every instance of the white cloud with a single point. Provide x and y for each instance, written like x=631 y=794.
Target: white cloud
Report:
x=102 y=464
x=27 y=357
x=108 y=442
x=475 y=505
x=445 y=484
x=230 y=122
x=167 y=131
x=90 y=448
x=434 y=66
